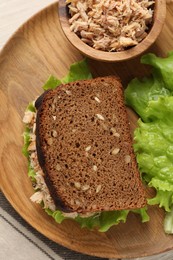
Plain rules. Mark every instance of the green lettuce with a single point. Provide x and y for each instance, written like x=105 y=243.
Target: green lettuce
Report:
x=102 y=220
x=26 y=133
x=31 y=107
x=78 y=71
x=168 y=222
x=140 y=92
x=152 y=99
x=51 y=83
x=161 y=68
x=26 y=138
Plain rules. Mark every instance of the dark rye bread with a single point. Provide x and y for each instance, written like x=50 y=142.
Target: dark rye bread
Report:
x=84 y=147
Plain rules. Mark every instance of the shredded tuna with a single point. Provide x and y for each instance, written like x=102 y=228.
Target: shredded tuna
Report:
x=70 y=215
x=42 y=193
x=28 y=117
x=111 y=25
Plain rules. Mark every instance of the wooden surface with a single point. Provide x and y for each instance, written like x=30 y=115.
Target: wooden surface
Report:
x=158 y=21
x=38 y=49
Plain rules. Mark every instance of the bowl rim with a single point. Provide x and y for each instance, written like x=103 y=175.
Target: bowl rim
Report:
x=159 y=18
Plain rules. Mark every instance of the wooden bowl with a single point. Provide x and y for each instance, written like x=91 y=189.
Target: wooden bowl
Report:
x=158 y=22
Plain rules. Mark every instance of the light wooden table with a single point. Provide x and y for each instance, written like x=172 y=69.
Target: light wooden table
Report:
x=13 y=13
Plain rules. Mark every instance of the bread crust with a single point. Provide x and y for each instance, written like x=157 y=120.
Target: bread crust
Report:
x=41 y=158
x=68 y=183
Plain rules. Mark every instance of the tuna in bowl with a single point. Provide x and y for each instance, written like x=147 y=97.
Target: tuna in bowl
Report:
x=111 y=25
x=112 y=30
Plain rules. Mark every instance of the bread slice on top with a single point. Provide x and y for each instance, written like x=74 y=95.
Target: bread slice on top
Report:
x=84 y=147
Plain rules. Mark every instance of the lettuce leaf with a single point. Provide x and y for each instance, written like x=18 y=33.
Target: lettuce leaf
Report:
x=51 y=83
x=78 y=71
x=103 y=220
x=162 y=68
x=31 y=107
x=168 y=222
x=108 y=219
x=152 y=99
x=163 y=198
x=140 y=92
x=143 y=213
x=26 y=133
x=26 y=138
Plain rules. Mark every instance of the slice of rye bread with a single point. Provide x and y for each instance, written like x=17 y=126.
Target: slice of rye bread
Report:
x=85 y=149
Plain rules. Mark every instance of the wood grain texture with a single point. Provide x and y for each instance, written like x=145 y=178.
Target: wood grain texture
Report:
x=158 y=22
x=37 y=50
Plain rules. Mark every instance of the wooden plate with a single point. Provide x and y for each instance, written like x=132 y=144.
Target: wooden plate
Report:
x=35 y=51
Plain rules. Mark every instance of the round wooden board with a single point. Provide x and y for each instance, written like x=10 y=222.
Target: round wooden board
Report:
x=35 y=51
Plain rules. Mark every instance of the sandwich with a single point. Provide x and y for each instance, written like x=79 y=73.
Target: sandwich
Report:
x=80 y=153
